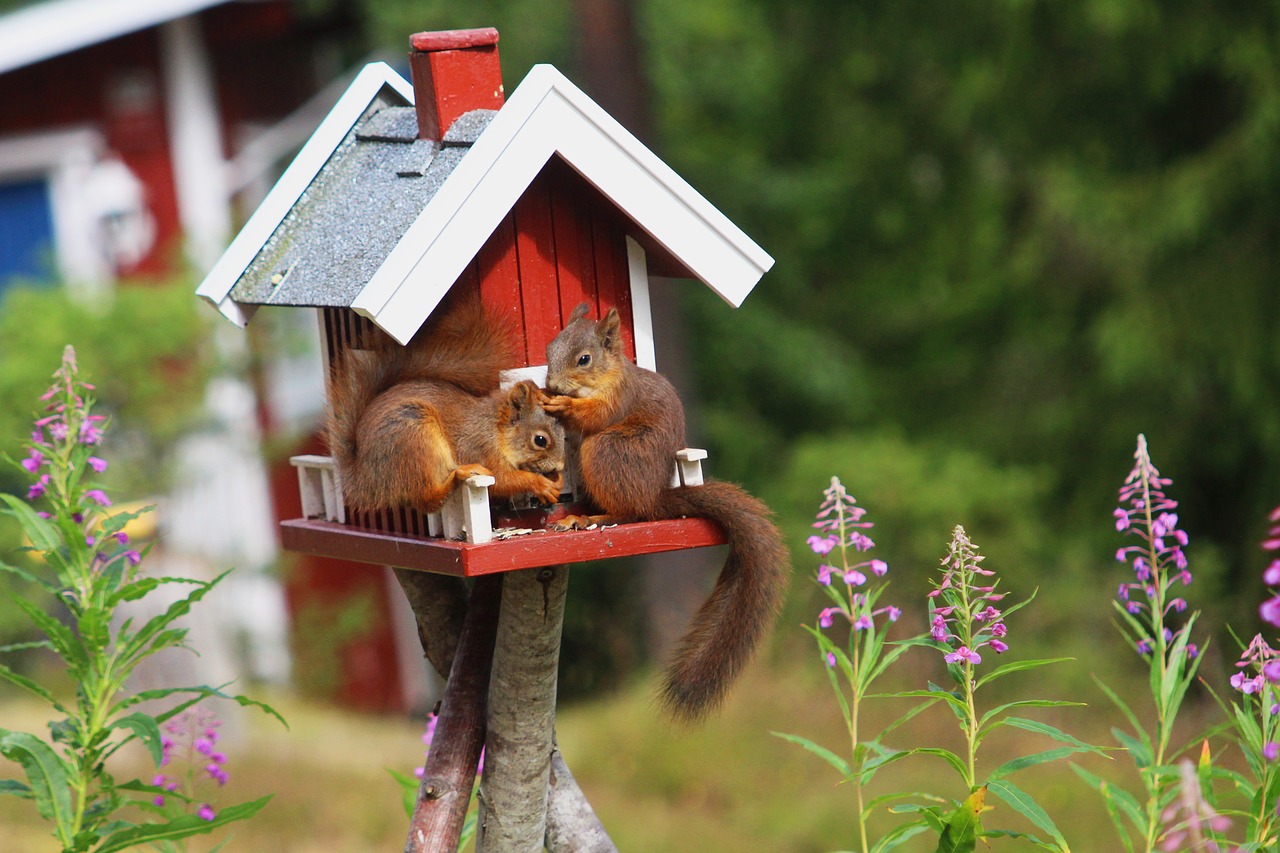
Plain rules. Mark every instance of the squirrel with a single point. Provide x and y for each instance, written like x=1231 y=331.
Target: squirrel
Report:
x=629 y=423
x=406 y=424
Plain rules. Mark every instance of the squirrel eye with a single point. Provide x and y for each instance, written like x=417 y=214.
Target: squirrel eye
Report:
x=540 y=440
x=584 y=359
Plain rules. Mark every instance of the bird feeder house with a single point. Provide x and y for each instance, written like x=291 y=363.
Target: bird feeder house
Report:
x=407 y=191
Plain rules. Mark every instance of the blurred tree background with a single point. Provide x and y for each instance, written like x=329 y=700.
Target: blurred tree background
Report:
x=1010 y=235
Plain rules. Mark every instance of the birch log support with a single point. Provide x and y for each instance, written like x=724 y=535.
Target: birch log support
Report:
x=572 y=825
x=450 y=772
x=439 y=604
x=522 y=701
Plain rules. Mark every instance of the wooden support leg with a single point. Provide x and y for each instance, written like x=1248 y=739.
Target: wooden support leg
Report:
x=572 y=825
x=439 y=604
x=522 y=697
x=450 y=770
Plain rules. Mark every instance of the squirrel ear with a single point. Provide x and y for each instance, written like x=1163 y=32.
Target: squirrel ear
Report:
x=580 y=311
x=521 y=396
x=607 y=330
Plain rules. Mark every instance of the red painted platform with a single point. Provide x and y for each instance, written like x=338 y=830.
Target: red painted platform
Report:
x=549 y=548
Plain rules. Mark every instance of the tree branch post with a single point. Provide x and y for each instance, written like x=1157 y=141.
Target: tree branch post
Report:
x=450 y=771
x=522 y=699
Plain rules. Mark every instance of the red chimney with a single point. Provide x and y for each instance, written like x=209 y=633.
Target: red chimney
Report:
x=453 y=71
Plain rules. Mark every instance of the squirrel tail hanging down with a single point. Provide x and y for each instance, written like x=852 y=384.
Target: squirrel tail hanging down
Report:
x=748 y=594
x=631 y=423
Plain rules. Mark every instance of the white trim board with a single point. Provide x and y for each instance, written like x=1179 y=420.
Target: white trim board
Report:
x=372 y=80
x=45 y=30
x=547 y=114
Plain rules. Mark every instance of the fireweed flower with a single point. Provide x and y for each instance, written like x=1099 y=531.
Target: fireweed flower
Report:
x=189 y=751
x=1190 y=821
x=429 y=735
x=1158 y=561
x=963 y=611
x=841 y=532
x=1270 y=609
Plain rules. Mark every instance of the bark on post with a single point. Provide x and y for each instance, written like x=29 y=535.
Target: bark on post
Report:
x=522 y=700
x=439 y=604
x=450 y=770
x=572 y=825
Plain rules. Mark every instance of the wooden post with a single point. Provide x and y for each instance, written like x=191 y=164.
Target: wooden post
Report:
x=572 y=825
x=522 y=699
x=450 y=772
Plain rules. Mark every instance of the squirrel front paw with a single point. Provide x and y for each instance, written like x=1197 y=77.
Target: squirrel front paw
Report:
x=462 y=472
x=547 y=490
x=555 y=404
x=571 y=522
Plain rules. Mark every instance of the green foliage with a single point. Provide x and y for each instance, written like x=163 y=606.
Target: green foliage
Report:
x=151 y=343
x=88 y=568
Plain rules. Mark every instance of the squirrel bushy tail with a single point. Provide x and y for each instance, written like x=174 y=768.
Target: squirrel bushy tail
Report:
x=748 y=594
x=464 y=346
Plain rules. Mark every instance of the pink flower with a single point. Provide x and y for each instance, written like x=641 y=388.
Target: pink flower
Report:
x=97 y=464
x=206 y=812
x=964 y=655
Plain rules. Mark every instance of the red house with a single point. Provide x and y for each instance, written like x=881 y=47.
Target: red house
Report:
x=538 y=202
x=128 y=127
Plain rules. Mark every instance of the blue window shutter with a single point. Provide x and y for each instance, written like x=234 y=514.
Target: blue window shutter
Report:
x=26 y=231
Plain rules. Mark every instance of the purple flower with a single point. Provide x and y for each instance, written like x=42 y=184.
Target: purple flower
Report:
x=58 y=430
x=206 y=812
x=831 y=659
x=964 y=655
x=967 y=617
x=1271 y=751
x=1158 y=562
x=824 y=618
x=38 y=488
x=98 y=496
x=133 y=557
x=821 y=545
x=97 y=464
x=90 y=433
x=33 y=462
x=1269 y=611
x=853 y=577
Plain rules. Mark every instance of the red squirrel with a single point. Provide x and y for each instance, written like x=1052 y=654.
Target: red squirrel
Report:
x=629 y=423
x=407 y=424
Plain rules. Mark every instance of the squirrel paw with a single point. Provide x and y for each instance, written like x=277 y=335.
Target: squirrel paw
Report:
x=462 y=472
x=556 y=404
x=571 y=522
x=547 y=490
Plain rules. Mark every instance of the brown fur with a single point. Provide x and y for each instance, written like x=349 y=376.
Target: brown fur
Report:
x=405 y=424
x=629 y=423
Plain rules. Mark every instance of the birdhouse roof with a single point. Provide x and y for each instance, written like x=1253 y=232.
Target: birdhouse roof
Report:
x=369 y=216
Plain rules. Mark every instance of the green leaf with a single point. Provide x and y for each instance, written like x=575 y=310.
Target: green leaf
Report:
x=30 y=686
x=408 y=790
x=1118 y=801
x=1025 y=805
x=1017 y=666
x=1050 y=731
x=64 y=642
x=961 y=832
x=16 y=789
x=899 y=834
x=949 y=757
x=1139 y=750
x=25 y=575
x=47 y=776
x=1025 y=761
x=822 y=752
x=43 y=535
x=145 y=729
x=1024 y=703
x=182 y=827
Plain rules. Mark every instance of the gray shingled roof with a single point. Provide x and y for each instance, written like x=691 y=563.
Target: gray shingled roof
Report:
x=356 y=209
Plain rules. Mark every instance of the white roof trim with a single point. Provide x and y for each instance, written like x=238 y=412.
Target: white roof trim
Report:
x=217 y=285
x=547 y=114
x=35 y=33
